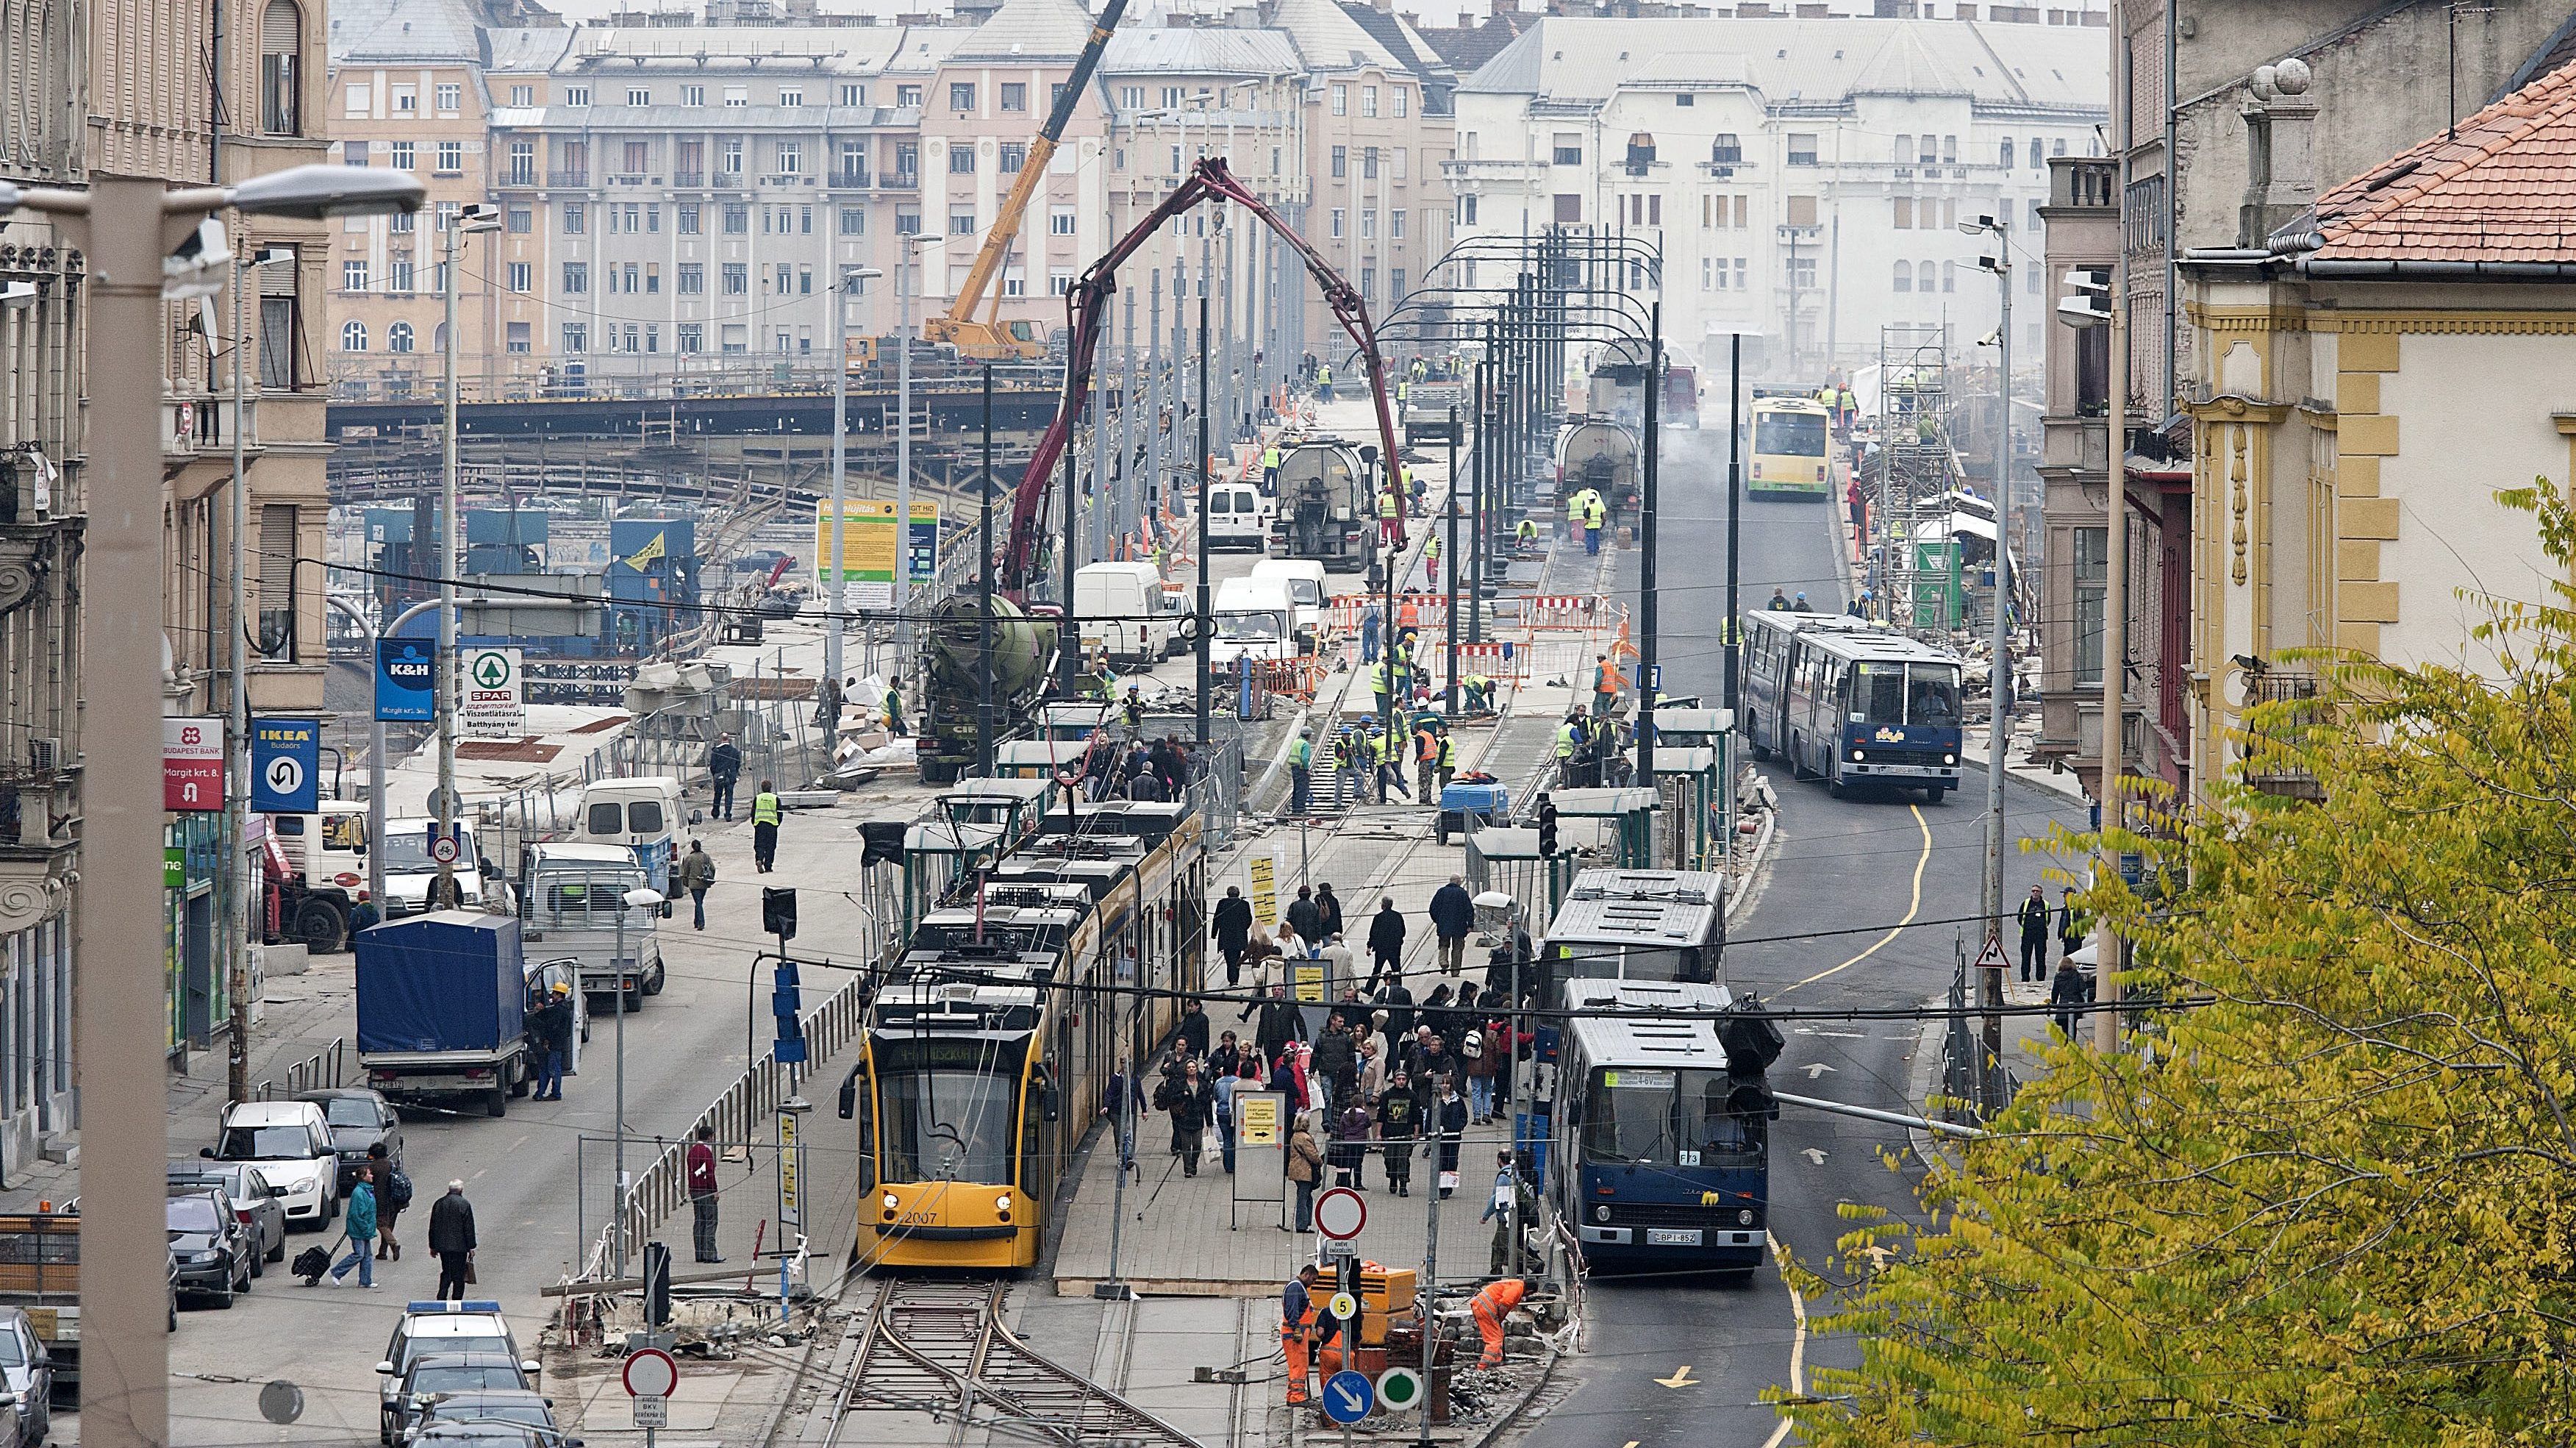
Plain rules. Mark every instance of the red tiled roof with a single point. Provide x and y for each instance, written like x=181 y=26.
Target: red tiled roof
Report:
x=2502 y=189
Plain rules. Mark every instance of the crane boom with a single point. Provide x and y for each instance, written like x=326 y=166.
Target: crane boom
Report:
x=1087 y=304
x=958 y=325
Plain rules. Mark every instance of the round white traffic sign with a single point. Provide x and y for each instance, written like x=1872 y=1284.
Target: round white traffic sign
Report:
x=1340 y=1213
x=443 y=849
x=650 y=1373
x=1342 y=1305
x=285 y=775
x=1398 y=1389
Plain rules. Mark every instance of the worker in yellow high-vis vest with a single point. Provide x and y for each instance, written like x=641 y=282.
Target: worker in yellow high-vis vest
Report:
x=765 y=810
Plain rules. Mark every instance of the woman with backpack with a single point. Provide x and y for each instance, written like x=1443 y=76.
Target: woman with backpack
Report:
x=392 y=1196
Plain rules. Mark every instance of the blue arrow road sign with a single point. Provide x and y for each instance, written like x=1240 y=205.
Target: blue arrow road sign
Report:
x=1348 y=1396
x=406 y=681
x=285 y=766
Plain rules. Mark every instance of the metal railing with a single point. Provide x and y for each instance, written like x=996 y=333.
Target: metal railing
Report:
x=320 y=1071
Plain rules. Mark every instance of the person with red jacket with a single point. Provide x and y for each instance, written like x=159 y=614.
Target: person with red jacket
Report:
x=701 y=1165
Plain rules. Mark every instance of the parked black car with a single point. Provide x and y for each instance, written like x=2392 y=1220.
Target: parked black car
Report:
x=359 y=1118
x=525 y=1409
x=212 y=1248
x=438 y=1375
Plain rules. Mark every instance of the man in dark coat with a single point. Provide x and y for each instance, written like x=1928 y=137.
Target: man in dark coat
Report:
x=2033 y=918
x=1194 y=1029
x=1336 y=1062
x=1453 y=915
x=1280 y=1023
x=1307 y=918
x=1399 y=1009
x=724 y=766
x=1386 y=938
x=1233 y=931
x=1331 y=905
x=451 y=1240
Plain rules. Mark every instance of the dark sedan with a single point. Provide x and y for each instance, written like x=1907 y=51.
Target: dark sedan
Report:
x=261 y=1210
x=213 y=1252
x=438 y=1376
x=358 y=1118
x=524 y=1409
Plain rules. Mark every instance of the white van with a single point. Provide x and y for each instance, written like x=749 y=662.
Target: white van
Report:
x=1238 y=517
x=1304 y=580
x=1255 y=619
x=640 y=812
x=409 y=870
x=1125 y=613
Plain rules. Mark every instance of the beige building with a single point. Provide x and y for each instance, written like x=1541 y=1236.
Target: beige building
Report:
x=2362 y=385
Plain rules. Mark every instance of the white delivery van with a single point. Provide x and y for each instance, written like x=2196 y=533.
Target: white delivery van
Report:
x=1304 y=580
x=409 y=868
x=1255 y=619
x=1238 y=517
x=641 y=813
x=1125 y=613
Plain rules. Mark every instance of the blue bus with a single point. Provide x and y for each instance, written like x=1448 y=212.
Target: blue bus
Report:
x=1662 y=1128
x=1764 y=691
x=1863 y=707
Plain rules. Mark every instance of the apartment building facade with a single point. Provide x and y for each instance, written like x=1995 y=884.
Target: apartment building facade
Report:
x=1801 y=179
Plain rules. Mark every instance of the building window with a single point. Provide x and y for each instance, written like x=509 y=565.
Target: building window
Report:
x=737 y=279
x=406 y=156
x=1904 y=213
x=281 y=332
x=854 y=164
x=1368 y=223
x=2007 y=161
x=1905 y=276
x=652 y=278
x=1467 y=209
x=1568 y=150
x=576 y=95
x=961 y=221
x=1802 y=149
x=281 y=69
x=852 y=95
x=1368 y=163
x=1341 y=99
x=1802 y=273
x=1131 y=98
x=1569 y=209
x=961 y=95
x=353 y=278
x=1060 y=221
x=519 y=275
x=693 y=96
x=1395 y=278
x=729 y=155
x=854 y=221
x=519 y=341
x=961 y=159
x=907 y=221
x=1337 y=223
x=692 y=279
x=1802 y=211
x=353 y=336
x=1706 y=269
x=1014 y=155
x=451 y=157
x=451 y=96
x=2038 y=159
x=523 y=95
x=1368 y=100
x=398 y=337
x=786 y=280
x=639 y=95
x=523 y=163
x=1726 y=150
x=1015 y=95
x=737 y=97
x=2057 y=147
x=1059 y=281
x=907 y=162
x=403 y=222
x=2092 y=580
x=523 y=220
x=1949 y=276
x=737 y=218
x=1395 y=225
x=1341 y=162
x=1403 y=102
x=791 y=158
x=1015 y=282
x=907 y=95
x=576 y=278
x=576 y=337
x=791 y=99
x=692 y=338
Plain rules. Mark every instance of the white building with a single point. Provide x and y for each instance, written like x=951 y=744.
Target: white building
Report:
x=1802 y=178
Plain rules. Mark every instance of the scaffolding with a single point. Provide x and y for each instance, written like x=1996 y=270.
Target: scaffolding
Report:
x=1915 y=557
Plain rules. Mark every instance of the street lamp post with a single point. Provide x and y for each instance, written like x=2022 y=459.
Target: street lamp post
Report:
x=234 y=883
x=837 y=592
x=1999 y=663
x=126 y=227
x=473 y=218
x=906 y=262
x=631 y=900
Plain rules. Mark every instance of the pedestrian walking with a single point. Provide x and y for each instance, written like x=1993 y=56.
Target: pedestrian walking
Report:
x=2033 y=917
x=2072 y=925
x=1301 y=774
x=1351 y=1139
x=1453 y=917
x=701 y=1164
x=1594 y=517
x=1399 y=1123
x=724 y=767
x=697 y=872
x=1280 y=1024
x=451 y=1241
x=1335 y=1062
x=1306 y=917
x=1484 y=1056
x=392 y=1198
x=765 y=810
x=2069 y=990
x=1492 y=1305
x=1296 y=1328
x=1386 y=938
x=1242 y=1075
x=358 y=1219
x=1399 y=1011
x=1193 y=1029
x=1305 y=1164
x=1329 y=905
x=550 y=1030
x=1453 y=1131
x=892 y=710
x=1605 y=685
x=1193 y=1106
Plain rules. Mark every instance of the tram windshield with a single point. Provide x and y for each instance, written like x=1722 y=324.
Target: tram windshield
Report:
x=1895 y=692
x=1655 y=1117
x=947 y=1125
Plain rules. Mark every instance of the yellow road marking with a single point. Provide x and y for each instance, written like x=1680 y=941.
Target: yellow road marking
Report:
x=1797 y=1351
x=1681 y=1378
x=1912 y=909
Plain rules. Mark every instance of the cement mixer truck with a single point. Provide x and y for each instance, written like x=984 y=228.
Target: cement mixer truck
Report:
x=1023 y=653
x=1602 y=456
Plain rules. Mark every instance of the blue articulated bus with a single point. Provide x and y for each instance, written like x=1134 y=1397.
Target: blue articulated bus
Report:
x=1768 y=635
x=1662 y=1124
x=1867 y=707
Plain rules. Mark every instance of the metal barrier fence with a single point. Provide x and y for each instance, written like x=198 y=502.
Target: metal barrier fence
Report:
x=1217 y=793
x=320 y=1071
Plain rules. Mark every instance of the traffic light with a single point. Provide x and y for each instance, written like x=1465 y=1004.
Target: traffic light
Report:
x=786 y=1004
x=778 y=912
x=2090 y=303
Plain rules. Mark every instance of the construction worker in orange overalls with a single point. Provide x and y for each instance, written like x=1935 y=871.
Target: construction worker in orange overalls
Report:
x=1491 y=1306
x=1297 y=1327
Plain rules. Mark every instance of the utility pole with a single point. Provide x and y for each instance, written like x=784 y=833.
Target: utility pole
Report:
x=231 y=884
x=446 y=683
x=835 y=591
x=1646 y=610
x=904 y=259
x=1206 y=616
x=984 y=599
x=1990 y=957
x=1734 y=634
x=2115 y=593
x=1455 y=559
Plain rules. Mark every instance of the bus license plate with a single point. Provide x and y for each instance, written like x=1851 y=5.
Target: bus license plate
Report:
x=1672 y=1236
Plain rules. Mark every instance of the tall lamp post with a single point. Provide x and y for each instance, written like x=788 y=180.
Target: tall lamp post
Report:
x=838 y=589
x=126 y=227
x=1990 y=986
x=475 y=217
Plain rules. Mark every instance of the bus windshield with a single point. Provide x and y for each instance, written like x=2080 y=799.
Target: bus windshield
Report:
x=1798 y=434
x=1892 y=692
x=947 y=1125
x=1644 y=1116
x=1597 y=960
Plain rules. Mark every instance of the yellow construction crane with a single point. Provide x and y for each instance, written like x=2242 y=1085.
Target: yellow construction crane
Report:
x=989 y=337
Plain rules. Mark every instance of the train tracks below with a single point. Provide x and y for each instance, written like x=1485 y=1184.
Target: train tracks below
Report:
x=940 y=1353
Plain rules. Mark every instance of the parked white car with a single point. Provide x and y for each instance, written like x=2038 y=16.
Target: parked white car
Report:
x=291 y=1141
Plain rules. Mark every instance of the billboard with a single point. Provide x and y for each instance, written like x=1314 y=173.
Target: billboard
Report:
x=868 y=548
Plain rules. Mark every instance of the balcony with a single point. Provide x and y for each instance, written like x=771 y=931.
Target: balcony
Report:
x=689 y=179
x=626 y=179
x=899 y=181
x=850 y=180
x=2288 y=705
x=519 y=178
x=2087 y=183
x=564 y=180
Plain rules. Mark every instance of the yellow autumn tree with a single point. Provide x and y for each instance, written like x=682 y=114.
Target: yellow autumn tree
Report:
x=2328 y=1195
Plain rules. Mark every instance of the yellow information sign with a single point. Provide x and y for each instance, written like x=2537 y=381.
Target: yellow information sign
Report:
x=868 y=544
x=1265 y=890
x=1260 y=1120
x=1310 y=980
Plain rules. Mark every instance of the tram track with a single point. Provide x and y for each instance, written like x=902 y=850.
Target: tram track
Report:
x=942 y=1349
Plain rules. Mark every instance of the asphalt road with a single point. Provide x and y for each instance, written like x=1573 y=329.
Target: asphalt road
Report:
x=1684 y=1361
